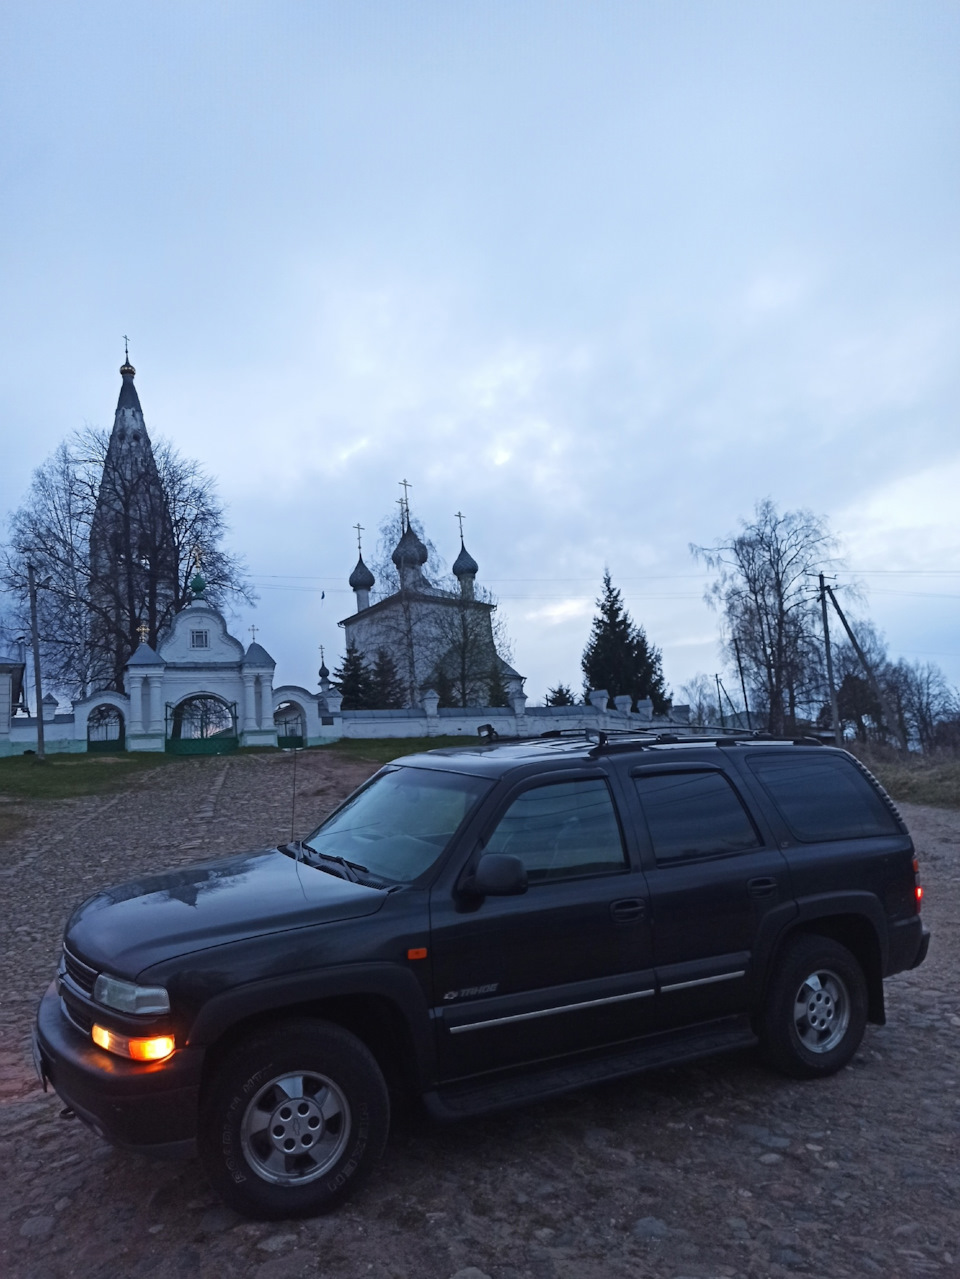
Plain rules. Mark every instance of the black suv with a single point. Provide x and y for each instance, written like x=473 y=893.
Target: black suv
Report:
x=481 y=927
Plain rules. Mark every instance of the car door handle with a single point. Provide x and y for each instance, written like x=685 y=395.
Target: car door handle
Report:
x=629 y=908
x=762 y=886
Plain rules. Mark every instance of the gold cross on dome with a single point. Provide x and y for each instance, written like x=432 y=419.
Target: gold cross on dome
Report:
x=253 y=633
x=143 y=630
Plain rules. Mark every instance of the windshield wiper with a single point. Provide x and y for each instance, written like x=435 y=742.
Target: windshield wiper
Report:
x=349 y=868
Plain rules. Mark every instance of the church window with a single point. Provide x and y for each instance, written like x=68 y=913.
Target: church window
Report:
x=199 y=639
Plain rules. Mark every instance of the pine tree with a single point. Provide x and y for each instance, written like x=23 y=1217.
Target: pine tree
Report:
x=386 y=687
x=618 y=656
x=562 y=695
x=353 y=681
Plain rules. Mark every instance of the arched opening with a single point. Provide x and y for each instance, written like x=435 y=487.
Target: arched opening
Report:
x=202 y=725
x=291 y=725
x=105 y=730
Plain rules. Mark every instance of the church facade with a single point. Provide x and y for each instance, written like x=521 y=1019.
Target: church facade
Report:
x=439 y=641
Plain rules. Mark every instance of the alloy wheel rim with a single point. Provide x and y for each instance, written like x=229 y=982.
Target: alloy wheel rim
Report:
x=821 y=1011
x=296 y=1128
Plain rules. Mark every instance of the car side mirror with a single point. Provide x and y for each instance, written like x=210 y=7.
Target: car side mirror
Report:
x=497 y=875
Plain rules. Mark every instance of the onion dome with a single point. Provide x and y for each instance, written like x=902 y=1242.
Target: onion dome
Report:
x=323 y=672
x=410 y=551
x=361 y=579
x=465 y=565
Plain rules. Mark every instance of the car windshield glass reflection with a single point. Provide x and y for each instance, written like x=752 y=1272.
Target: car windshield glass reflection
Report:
x=400 y=823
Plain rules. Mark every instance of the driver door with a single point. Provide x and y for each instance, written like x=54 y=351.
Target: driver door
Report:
x=563 y=967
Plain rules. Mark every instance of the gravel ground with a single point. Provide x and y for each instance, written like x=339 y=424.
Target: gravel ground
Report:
x=717 y=1169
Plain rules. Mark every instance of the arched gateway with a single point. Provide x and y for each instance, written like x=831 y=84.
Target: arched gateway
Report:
x=202 y=724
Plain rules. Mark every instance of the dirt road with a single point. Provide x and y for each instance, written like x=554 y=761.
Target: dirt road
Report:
x=717 y=1169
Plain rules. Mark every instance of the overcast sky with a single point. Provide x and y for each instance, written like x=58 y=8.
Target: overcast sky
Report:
x=598 y=275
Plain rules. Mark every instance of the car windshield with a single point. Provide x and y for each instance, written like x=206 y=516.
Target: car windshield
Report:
x=399 y=823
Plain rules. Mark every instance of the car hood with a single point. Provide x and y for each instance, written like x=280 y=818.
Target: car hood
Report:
x=129 y=927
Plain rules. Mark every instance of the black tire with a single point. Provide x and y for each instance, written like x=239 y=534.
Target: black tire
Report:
x=816 y=1009
x=293 y=1120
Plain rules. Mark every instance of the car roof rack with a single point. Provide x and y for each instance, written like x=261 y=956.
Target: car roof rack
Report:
x=608 y=741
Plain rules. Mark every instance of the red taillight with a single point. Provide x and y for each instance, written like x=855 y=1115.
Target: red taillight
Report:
x=917 y=891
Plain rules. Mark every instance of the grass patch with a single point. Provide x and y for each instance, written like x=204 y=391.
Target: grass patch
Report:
x=936 y=783
x=380 y=750
x=66 y=776
x=921 y=779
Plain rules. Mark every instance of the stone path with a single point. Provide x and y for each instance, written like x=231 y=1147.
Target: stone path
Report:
x=718 y=1169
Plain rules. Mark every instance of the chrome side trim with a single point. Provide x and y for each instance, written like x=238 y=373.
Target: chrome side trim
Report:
x=550 y=1012
x=703 y=981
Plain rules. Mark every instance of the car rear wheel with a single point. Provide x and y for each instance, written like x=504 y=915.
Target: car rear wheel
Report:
x=293 y=1120
x=816 y=1009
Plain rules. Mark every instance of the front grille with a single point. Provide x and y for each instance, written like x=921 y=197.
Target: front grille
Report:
x=81 y=974
x=74 y=1011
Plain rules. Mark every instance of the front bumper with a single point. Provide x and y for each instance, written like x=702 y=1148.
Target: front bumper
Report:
x=145 y=1105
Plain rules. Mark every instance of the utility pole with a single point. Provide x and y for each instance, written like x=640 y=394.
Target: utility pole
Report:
x=32 y=583
x=834 y=709
x=743 y=683
x=723 y=723
x=874 y=682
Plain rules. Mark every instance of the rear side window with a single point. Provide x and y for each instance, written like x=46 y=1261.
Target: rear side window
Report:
x=822 y=797
x=694 y=815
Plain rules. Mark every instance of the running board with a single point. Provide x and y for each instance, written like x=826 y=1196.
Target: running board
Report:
x=672 y=1048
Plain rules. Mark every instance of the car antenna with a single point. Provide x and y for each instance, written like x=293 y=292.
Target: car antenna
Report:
x=293 y=795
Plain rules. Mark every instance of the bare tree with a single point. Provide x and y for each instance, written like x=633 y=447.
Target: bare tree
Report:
x=464 y=641
x=701 y=695
x=923 y=699
x=764 y=592
x=99 y=590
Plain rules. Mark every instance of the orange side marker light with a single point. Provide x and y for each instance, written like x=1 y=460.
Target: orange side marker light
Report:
x=417 y=952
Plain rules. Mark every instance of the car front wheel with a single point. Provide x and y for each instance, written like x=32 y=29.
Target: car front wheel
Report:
x=293 y=1120
x=816 y=1009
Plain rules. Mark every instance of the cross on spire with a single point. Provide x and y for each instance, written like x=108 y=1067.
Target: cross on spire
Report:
x=405 y=503
x=460 y=516
x=126 y=349
x=359 y=527
x=143 y=630
x=253 y=634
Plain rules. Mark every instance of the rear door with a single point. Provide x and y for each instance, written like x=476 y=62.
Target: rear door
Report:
x=716 y=878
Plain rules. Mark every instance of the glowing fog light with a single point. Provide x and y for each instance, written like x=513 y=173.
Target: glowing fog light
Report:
x=156 y=1048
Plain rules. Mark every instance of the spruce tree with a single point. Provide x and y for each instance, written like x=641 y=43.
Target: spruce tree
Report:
x=353 y=681
x=619 y=657
x=386 y=687
x=498 y=689
x=442 y=685
x=562 y=695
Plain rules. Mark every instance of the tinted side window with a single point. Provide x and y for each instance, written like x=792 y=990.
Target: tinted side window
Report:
x=561 y=830
x=694 y=815
x=823 y=797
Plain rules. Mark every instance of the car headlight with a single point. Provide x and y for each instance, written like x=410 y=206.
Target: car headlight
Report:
x=127 y=997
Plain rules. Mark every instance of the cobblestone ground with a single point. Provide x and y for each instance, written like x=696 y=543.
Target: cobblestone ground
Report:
x=717 y=1169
